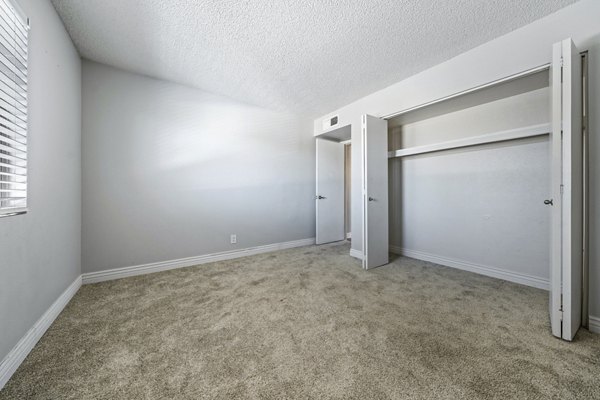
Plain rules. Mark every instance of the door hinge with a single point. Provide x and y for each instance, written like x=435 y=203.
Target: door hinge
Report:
x=560 y=310
x=562 y=189
x=561 y=69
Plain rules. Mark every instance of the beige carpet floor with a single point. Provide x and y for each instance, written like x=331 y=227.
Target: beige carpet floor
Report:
x=308 y=323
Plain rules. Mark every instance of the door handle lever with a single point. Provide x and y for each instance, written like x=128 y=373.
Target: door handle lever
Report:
x=319 y=197
x=549 y=202
x=371 y=199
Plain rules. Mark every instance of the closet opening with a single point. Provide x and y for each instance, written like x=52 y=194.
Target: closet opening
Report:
x=492 y=180
x=468 y=177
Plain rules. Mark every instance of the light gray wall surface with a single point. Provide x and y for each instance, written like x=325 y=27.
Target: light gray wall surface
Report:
x=40 y=252
x=594 y=217
x=170 y=172
x=481 y=205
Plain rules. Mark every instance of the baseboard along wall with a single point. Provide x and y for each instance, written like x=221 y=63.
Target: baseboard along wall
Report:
x=356 y=253
x=15 y=357
x=594 y=324
x=494 y=272
x=117 y=273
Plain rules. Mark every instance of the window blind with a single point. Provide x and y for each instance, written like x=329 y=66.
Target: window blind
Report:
x=14 y=28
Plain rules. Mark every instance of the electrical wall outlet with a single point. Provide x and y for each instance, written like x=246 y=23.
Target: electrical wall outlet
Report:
x=233 y=239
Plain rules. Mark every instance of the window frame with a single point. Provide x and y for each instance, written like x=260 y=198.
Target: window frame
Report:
x=17 y=19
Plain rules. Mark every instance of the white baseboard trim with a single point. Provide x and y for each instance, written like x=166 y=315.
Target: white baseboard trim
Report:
x=594 y=324
x=15 y=357
x=516 y=277
x=124 y=272
x=356 y=253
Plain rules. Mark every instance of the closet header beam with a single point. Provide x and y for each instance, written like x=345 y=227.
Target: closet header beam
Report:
x=502 y=136
x=471 y=90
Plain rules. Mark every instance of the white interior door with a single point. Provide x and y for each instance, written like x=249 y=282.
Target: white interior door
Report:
x=375 y=191
x=567 y=192
x=329 y=197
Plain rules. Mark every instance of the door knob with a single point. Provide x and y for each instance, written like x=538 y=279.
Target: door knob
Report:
x=549 y=202
x=371 y=199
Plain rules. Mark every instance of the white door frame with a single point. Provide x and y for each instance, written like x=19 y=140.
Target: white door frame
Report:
x=566 y=270
x=329 y=191
x=375 y=192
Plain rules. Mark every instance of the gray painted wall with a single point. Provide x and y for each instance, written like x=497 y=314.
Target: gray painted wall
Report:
x=170 y=172
x=481 y=205
x=594 y=218
x=41 y=251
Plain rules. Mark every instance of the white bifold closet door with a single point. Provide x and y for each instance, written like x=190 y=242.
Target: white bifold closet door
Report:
x=375 y=191
x=567 y=183
x=330 y=192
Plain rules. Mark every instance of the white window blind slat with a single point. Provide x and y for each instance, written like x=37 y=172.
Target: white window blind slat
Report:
x=15 y=58
x=14 y=205
x=19 y=110
x=13 y=202
x=12 y=122
x=17 y=178
x=18 y=119
x=12 y=142
x=13 y=109
x=10 y=91
x=16 y=192
x=14 y=185
x=14 y=136
x=8 y=167
x=12 y=68
x=16 y=41
x=13 y=13
x=12 y=129
x=12 y=80
x=9 y=110
x=7 y=149
x=7 y=44
x=13 y=160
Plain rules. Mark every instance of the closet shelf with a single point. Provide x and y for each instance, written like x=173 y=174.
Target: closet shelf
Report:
x=502 y=136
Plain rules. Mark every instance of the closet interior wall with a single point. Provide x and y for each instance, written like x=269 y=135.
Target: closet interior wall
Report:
x=480 y=206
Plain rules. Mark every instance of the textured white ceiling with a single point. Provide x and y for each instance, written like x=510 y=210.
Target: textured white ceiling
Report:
x=304 y=56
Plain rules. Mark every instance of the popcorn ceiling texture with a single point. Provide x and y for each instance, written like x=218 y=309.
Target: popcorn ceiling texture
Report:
x=309 y=57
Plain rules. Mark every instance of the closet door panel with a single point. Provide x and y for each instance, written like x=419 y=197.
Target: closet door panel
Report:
x=375 y=192
x=567 y=183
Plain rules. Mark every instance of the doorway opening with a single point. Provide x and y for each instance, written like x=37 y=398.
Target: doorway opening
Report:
x=333 y=184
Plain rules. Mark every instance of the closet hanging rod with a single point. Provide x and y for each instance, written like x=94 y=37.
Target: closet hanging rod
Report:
x=471 y=90
x=502 y=136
